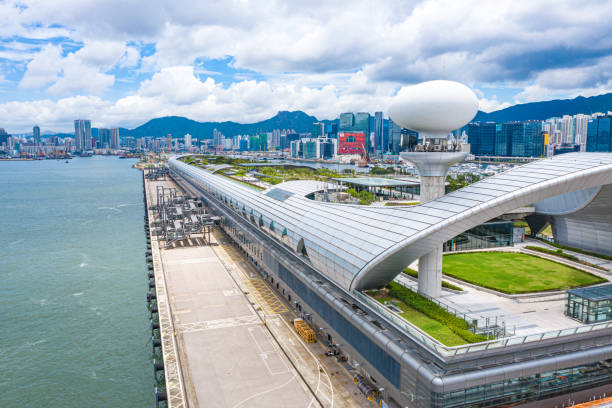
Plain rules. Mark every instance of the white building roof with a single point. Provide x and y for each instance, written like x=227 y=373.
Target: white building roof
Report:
x=360 y=247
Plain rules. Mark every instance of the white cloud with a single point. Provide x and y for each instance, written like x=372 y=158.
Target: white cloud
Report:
x=43 y=68
x=177 y=91
x=83 y=71
x=491 y=104
x=130 y=58
x=321 y=56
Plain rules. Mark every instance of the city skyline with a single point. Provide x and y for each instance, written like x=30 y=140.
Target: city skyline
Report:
x=241 y=62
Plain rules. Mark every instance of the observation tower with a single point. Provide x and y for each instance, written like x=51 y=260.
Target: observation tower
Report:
x=433 y=109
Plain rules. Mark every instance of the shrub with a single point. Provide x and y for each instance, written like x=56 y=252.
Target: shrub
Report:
x=580 y=251
x=559 y=252
x=459 y=326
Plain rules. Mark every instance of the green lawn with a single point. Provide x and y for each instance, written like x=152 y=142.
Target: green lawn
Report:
x=515 y=273
x=432 y=327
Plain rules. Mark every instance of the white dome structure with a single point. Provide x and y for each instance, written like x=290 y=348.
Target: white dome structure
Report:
x=434 y=108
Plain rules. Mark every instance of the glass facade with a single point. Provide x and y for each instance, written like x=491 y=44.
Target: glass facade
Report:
x=590 y=305
x=599 y=136
x=347 y=121
x=488 y=235
x=531 y=388
x=481 y=137
x=525 y=138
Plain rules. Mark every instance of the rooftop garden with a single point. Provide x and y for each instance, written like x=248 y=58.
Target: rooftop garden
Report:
x=515 y=273
x=440 y=324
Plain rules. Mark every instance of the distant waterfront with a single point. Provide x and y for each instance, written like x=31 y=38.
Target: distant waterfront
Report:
x=73 y=321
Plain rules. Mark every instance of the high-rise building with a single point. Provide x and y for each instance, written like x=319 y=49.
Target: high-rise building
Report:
x=362 y=124
x=115 y=143
x=218 y=140
x=524 y=139
x=243 y=145
x=395 y=136
x=318 y=130
x=332 y=131
x=581 y=128
x=347 y=121
x=3 y=137
x=104 y=138
x=36 y=134
x=382 y=145
x=502 y=141
x=187 y=141
x=481 y=137
x=599 y=134
x=313 y=148
x=263 y=142
x=82 y=135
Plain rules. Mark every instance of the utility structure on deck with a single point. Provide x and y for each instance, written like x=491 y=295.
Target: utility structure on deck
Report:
x=179 y=216
x=434 y=109
x=155 y=173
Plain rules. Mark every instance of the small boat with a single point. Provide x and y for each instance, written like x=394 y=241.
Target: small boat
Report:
x=67 y=161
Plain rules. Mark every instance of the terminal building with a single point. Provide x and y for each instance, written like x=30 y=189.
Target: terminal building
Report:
x=322 y=256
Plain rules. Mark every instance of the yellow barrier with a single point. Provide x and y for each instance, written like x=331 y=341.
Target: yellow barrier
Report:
x=304 y=330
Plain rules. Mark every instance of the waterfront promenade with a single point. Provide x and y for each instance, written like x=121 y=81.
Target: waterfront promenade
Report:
x=226 y=336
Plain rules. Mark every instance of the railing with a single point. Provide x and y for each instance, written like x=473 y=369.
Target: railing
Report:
x=450 y=351
x=480 y=325
x=492 y=325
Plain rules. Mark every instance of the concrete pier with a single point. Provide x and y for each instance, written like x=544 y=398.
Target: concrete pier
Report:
x=227 y=340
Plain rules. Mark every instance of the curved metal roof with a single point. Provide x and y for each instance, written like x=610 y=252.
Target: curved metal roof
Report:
x=361 y=247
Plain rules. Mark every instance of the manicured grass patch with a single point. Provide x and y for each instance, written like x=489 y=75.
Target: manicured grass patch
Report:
x=580 y=251
x=447 y=285
x=514 y=272
x=430 y=326
x=456 y=324
x=559 y=252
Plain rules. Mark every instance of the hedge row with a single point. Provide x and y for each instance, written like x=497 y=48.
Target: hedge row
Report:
x=447 y=285
x=459 y=326
x=561 y=254
x=580 y=251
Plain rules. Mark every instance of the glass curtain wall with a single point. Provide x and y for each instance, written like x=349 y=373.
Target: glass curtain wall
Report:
x=488 y=235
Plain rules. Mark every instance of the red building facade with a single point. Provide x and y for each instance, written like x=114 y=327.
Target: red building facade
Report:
x=351 y=143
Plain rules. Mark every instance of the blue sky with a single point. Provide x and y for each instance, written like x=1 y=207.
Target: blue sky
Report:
x=121 y=63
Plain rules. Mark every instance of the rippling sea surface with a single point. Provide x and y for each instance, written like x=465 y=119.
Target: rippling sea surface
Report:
x=74 y=328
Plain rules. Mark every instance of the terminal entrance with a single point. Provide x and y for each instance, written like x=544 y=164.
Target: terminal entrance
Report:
x=590 y=305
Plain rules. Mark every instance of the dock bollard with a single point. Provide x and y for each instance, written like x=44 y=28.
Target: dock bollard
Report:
x=155 y=342
x=154 y=325
x=157 y=366
x=159 y=396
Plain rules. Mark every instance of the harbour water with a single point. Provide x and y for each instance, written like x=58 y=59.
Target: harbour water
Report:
x=74 y=328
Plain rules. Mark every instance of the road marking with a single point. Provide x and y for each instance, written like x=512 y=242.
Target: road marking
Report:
x=218 y=324
x=191 y=261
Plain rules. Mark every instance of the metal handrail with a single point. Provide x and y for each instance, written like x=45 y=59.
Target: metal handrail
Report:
x=450 y=351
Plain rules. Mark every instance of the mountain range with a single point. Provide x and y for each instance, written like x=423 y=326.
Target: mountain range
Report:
x=302 y=122
x=179 y=126
x=548 y=109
